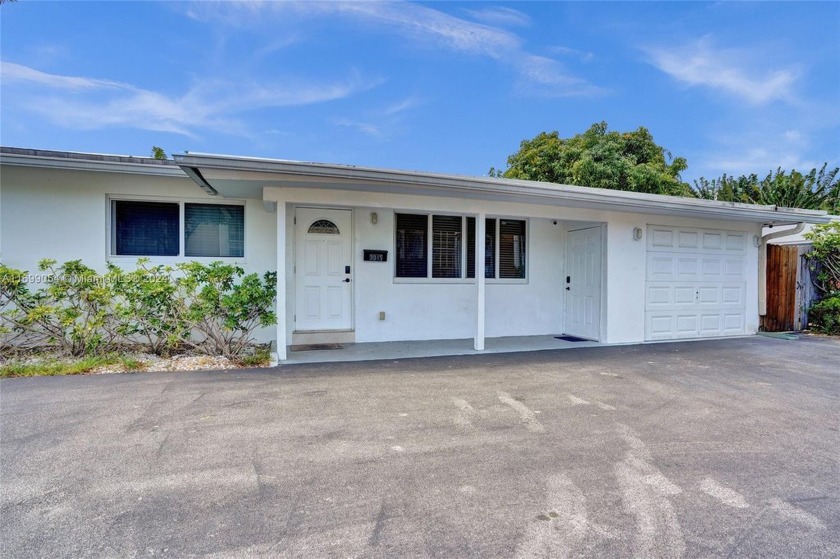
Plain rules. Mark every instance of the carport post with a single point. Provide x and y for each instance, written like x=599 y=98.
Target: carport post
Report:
x=480 y=241
x=281 y=280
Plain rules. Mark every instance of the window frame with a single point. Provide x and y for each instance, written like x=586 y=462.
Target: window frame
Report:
x=110 y=225
x=464 y=249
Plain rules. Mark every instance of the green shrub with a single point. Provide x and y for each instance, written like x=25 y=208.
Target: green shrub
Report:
x=824 y=316
x=12 y=291
x=72 y=312
x=212 y=308
x=824 y=258
x=145 y=305
x=223 y=306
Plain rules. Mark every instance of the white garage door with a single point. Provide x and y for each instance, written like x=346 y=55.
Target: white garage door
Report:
x=696 y=283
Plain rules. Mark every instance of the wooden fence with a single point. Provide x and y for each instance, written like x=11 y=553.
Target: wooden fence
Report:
x=789 y=288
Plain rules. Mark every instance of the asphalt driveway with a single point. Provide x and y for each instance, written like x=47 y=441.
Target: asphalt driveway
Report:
x=718 y=448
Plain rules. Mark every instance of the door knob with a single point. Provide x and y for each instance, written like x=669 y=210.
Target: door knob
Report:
x=568 y=289
x=346 y=280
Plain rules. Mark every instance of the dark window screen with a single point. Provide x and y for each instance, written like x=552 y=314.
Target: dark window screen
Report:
x=412 y=250
x=145 y=228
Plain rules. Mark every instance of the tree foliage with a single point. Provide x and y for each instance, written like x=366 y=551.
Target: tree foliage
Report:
x=158 y=153
x=815 y=190
x=824 y=261
x=825 y=258
x=599 y=158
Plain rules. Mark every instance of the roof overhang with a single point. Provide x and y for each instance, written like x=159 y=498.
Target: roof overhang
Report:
x=75 y=161
x=245 y=177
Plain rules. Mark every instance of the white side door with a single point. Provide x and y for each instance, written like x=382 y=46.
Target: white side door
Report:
x=582 y=285
x=323 y=260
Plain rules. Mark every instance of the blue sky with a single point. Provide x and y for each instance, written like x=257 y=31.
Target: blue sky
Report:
x=436 y=86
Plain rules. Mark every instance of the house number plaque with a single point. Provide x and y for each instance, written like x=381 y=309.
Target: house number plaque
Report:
x=376 y=255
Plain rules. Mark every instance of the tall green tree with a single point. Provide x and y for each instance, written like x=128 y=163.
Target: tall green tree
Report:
x=599 y=158
x=819 y=189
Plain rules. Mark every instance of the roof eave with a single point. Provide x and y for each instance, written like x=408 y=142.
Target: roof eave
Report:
x=527 y=190
x=54 y=162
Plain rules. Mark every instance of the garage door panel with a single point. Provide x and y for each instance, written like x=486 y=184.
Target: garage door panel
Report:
x=711 y=268
x=660 y=268
x=660 y=296
x=688 y=268
x=659 y=326
x=733 y=269
x=733 y=323
x=686 y=323
x=712 y=241
x=695 y=283
x=688 y=239
x=708 y=295
x=736 y=242
x=733 y=295
x=709 y=324
x=660 y=238
x=684 y=295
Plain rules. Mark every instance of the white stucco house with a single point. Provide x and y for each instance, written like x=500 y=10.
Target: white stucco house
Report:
x=370 y=255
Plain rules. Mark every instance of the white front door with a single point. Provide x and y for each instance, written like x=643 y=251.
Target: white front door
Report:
x=582 y=283
x=323 y=273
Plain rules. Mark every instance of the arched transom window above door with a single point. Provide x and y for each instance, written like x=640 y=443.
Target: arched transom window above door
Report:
x=324 y=227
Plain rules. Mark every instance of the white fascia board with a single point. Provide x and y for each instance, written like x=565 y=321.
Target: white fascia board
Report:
x=525 y=191
x=76 y=164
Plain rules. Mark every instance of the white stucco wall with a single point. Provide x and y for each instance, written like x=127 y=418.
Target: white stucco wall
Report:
x=438 y=310
x=62 y=214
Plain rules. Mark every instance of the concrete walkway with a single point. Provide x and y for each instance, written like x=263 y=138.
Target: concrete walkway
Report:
x=429 y=348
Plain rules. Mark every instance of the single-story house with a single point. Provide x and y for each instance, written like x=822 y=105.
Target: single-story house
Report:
x=370 y=255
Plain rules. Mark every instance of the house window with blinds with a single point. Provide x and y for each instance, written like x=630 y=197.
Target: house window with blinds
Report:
x=412 y=248
x=450 y=243
x=182 y=229
x=214 y=230
x=511 y=249
x=489 y=248
x=447 y=236
x=142 y=228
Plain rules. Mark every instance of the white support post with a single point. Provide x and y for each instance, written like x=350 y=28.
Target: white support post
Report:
x=281 y=281
x=480 y=241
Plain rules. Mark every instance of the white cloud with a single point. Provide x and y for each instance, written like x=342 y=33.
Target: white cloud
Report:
x=93 y=103
x=367 y=128
x=501 y=16
x=381 y=122
x=582 y=55
x=12 y=72
x=793 y=135
x=545 y=76
x=402 y=105
x=423 y=25
x=760 y=149
x=729 y=70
